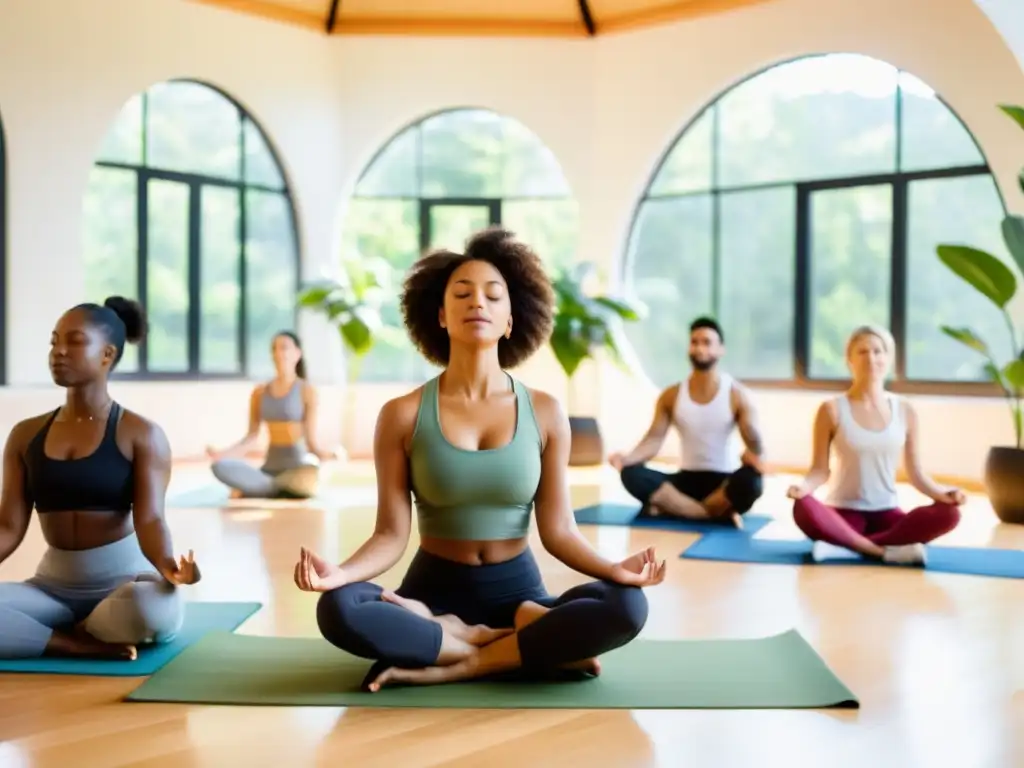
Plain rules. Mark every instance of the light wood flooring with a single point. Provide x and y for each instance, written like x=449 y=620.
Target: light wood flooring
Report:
x=936 y=660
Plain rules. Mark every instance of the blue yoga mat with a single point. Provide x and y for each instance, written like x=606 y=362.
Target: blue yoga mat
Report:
x=1000 y=563
x=628 y=514
x=200 y=619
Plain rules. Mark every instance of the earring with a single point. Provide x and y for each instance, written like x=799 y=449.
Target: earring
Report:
x=508 y=333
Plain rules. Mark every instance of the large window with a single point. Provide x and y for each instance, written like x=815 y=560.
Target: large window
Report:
x=187 y=208
x=804 y=202
x=436 y=183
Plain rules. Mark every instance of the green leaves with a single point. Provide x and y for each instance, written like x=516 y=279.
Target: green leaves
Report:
x=968 y=338
x=1013 y=235
x=1013 y=374
x=584 y=325
x=982 y=271
x=353 y=303
x=1015 y=113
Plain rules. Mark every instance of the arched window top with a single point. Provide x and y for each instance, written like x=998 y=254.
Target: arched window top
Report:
x=844 y=115
x=500 y=158
x=807 y=200
x=188 y=209
x=184 y=126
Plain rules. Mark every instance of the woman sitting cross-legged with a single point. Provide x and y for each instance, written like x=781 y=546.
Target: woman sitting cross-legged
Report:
x=869 y=430
x=479 y=451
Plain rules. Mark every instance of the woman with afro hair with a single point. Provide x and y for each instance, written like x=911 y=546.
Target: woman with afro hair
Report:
x=478 y=451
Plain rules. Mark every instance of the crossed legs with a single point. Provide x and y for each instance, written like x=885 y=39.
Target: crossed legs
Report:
x=694 y=495
x=873 y=533
x=35 y=622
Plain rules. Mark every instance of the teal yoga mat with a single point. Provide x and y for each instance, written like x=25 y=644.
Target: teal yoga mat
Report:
x=610 y=513
x=201 y=618
x=972 y=561
x=780 y=672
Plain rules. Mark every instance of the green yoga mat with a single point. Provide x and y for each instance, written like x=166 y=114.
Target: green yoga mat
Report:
x=780 y=672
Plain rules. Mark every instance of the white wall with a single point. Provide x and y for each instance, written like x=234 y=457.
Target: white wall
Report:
x=607 y=107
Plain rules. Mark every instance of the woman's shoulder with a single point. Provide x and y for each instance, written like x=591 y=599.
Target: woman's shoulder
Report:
x=546 y=408
x=401 y=411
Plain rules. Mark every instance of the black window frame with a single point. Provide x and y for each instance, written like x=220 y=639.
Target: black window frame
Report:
x=196 y=182
x=899 y=181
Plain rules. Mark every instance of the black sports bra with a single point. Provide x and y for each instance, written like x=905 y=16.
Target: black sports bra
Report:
x=102 y=481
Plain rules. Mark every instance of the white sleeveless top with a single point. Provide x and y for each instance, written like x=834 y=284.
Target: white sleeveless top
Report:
x=867 y=460
x=707 y=430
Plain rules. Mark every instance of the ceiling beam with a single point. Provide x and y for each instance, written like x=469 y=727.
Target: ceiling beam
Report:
x=332 y=16
x=587 y=17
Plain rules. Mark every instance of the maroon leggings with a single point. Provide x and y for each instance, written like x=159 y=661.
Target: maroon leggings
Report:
x=889 y=527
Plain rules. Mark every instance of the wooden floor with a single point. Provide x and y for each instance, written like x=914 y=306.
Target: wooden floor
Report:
x=936 y=660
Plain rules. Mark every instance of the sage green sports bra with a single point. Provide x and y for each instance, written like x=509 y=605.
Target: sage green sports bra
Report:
x=484 y=495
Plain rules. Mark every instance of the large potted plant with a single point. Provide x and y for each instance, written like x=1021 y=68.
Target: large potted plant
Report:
x=1004 y=467
x=353 y=305
x=584 y=327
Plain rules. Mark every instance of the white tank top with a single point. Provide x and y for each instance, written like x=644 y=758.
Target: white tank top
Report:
x=867 y=460
x=707 y=430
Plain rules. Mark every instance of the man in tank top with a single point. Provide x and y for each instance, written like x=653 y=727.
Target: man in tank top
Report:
x=716 y=480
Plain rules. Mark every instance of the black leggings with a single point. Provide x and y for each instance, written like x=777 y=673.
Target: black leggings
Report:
x=742 y=488
x=585 y=621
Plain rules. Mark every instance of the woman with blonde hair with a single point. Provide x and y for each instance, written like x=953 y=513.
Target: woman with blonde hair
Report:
x=870 y=430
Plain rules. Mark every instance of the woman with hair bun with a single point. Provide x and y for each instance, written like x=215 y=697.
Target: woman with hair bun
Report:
x=97 y=475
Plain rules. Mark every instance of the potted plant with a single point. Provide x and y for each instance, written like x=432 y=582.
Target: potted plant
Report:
x=353 y=305
x=1004 y=467
x=584 y=326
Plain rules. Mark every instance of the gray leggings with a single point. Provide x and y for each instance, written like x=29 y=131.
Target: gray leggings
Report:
x=112 y=590
x=285 y=473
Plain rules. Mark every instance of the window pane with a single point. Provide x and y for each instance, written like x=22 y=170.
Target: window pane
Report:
x=819 y=117
x=530 y=167
x=110 y=244
x=123 y=142
x=688 y=167
x=387 y=229
x=219 y=293
x=932 y=136
x=463 y=154
x=550 y=227
x=757 y=280
x=260 y=166
x=968 y=211
x=851 y=261
x=167 y=299
x=452 y=225
x=670 y=272
x=271 y=263
x=193 y=129
x=395 y=171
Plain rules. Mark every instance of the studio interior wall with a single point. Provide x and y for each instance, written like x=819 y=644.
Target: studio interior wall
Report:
x=608 y=108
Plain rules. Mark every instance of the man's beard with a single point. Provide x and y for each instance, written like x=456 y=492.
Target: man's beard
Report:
x=702 y=365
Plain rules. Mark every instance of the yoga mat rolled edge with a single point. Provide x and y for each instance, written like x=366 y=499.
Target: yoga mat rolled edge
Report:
x=201 y=618
x=782 y=671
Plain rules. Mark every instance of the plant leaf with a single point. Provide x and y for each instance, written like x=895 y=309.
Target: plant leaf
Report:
x=1013 y=234
x=356 y=335
x=621 y=307
x=982 y=271
x=1013 y=373
x=569 y=346
x=1014 y=112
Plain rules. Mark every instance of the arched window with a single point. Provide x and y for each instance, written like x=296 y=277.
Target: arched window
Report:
x=437 y=182
x=188 y=209
x=808 y=200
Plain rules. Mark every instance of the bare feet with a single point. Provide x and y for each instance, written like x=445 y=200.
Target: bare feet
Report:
x=80 y=644
x=477 y=634
x=235 y=494
x=529 y=612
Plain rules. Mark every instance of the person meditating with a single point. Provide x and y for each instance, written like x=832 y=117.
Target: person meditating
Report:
x=868 y=430
x=97 y=475
x=715 y=481
x=288 y=406
x=478 y=450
